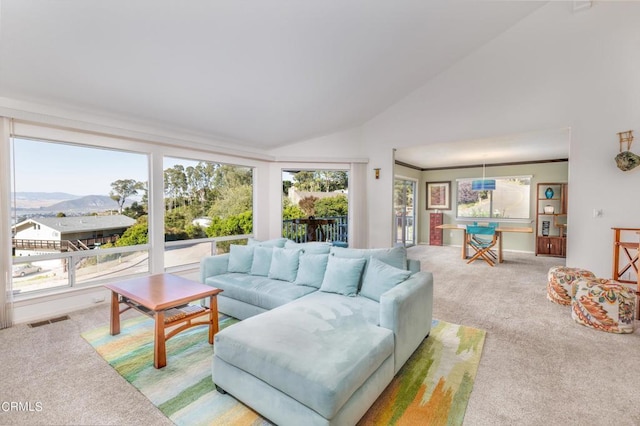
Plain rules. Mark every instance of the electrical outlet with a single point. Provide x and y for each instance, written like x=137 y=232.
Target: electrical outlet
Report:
x=597 y=213
x=98 y=299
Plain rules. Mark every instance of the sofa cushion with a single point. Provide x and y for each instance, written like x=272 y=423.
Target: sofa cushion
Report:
x=396 y=256
x=311 y=269
x=342 y=275
x=313 y=247
x=317 y=349
x=380 y=277
x=284 y=264
x=258 y=291
x=261 y=260
x=275 y=242
x=240 y=258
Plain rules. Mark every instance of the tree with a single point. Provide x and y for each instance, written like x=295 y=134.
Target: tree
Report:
x=123 y=189
x=136 y=234
x=232 y=200
x=290 y=210
x=308 y=205
x=332 y=206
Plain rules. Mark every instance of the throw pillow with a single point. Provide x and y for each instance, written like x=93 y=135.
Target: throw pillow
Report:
x=316 y=247
x=261 y=261
x=380 y=277
x=284 y=264
x=311 y=269
x=396 y=256
x=342 y=275
x=276 y=242
x=240 y=258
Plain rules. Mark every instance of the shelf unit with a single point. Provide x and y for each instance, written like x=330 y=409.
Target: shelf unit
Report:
x=435 y=235
x=551 y=219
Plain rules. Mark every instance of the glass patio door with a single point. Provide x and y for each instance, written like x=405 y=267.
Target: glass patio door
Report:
x=403 y=205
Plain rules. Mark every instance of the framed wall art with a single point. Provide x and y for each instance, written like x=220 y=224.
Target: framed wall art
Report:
x=439 y=195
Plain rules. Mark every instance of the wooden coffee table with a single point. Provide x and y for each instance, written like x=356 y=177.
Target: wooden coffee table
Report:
x=165 y=298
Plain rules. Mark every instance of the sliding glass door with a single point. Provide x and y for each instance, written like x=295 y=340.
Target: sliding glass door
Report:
x=405 y=216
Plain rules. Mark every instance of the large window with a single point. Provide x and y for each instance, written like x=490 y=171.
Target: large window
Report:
x=204 y=200
x=78 y=214
x=315 y=205
x=510 y=199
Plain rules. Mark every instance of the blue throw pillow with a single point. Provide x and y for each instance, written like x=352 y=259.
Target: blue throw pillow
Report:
x=342 y=275
x=240 y=258
x=311 y=269
x=284 y=264
x=261 y=261
x=380 y=277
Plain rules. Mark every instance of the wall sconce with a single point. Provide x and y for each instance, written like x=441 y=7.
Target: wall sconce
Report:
x=377 y=171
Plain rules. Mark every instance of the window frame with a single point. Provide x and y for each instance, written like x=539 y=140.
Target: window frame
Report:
x=491 y=216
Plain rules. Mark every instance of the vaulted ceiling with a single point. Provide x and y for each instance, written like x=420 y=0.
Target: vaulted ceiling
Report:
x=258 y=73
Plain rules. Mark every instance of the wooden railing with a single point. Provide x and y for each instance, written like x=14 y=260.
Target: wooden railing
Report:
x=332 y=228
x=62 y=245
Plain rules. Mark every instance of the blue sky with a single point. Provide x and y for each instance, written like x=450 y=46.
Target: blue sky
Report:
x=55 y=167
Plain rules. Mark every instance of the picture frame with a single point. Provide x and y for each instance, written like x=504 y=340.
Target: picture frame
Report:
x=439 y=195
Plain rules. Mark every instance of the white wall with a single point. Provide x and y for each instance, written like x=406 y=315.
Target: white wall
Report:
x=554 y=69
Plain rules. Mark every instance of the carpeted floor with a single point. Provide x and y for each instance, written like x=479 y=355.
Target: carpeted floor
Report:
x=538 y=366
x=432 y=388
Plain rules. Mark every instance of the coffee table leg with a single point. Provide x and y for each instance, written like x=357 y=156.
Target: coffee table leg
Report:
x=115 y=313
x=159 y=343
x=213 y=318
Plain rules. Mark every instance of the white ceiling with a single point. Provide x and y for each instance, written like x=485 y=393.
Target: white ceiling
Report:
x=262 y=73
x=534 y=146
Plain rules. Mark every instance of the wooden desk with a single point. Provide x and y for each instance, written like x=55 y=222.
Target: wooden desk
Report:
x=499 y=231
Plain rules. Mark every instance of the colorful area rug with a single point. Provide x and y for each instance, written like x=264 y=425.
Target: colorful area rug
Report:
x=433 y=387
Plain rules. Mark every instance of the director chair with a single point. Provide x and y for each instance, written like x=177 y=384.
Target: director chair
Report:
x=477 y=238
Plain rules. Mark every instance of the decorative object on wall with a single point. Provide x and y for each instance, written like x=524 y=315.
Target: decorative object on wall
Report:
x=439 y=195
x=626 y=160
x=377 y=172
x=549 y=193
x=483 y=184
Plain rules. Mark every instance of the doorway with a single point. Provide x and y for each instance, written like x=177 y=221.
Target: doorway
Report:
x=403 y=206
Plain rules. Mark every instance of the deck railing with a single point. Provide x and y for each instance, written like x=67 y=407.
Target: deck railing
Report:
x=330 y=228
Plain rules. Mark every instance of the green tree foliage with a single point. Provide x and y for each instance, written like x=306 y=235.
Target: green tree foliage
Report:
x=232 y=225
x=135 y=235
x=123 y=189
x=332 y=206
x=290 y=210
x=320 y=180
x=232 y=200
x=135 y=210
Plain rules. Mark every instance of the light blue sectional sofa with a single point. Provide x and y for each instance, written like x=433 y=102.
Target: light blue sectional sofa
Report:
x=324 y=329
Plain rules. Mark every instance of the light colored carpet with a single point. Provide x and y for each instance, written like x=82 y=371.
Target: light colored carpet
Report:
x=538 y=366
x=432 y=388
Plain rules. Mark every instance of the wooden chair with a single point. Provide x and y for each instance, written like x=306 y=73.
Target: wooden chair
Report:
x=493 y=225
x=477 y=238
